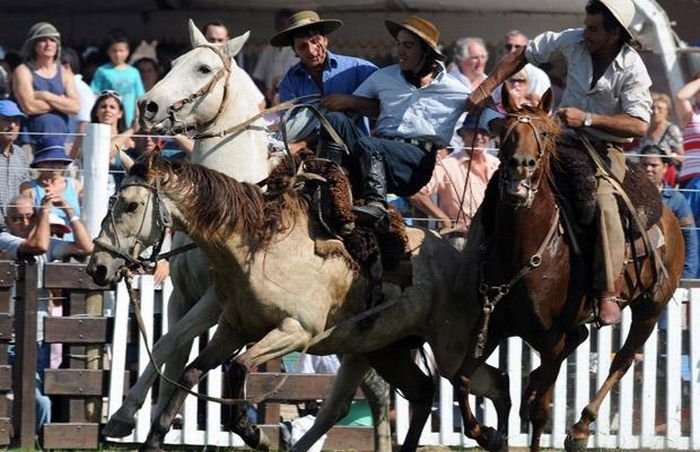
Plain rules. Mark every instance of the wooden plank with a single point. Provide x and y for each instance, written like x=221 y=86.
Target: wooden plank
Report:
x=5 y=380
x=68 y=276
x=74 y=382
x=293 y=386
x=71 y=436
x=6 y=326
x=5 y=431
x=7 y=273
x=77 y=330
x=359 y=439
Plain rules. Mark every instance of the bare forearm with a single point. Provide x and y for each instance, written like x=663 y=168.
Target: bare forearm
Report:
x=622 y=125
x=426 y=205
x=64 y=104
x=507 y=66
x=684 y=101
x=37 y=241
x=81 y=237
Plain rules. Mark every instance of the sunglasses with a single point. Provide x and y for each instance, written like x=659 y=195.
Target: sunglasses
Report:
x=517 y=80
x=21 y=218
x=510 y=47
x=111 y=93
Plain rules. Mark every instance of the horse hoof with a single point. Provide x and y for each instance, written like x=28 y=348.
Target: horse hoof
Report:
x=492 y=440
x=264 y=443
x=118 y=428
x=575 y=445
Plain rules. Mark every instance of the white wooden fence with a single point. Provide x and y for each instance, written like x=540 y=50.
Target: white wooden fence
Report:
x=657 y=404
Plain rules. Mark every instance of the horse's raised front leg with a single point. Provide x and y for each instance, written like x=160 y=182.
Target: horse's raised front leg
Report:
x=396 y=365
x=643 y=321
x=352 y=369
x=378 y=394
x=221 y=347
x=289 y=336
x=173 y=348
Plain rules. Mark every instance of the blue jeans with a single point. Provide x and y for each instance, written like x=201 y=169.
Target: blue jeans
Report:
x=42 y=403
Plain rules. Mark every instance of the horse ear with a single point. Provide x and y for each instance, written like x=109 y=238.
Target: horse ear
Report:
x=127 y=161
x=196 y=37
x=546 y=101
x=506 y=101
x=233 y=46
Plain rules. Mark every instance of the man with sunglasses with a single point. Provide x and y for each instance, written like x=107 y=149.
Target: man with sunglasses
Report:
x=537 y=79
x=14 y=163
x=607 y=103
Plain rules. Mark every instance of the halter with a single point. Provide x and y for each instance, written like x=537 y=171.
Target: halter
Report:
x=207 y=88
x=163 y=220
x=521 y=118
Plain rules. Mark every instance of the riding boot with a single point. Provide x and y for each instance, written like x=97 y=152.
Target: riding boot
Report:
x=373 y=213
x=329 y=149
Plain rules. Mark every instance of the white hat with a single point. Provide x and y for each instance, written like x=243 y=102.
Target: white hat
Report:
x=58 y=224
x=623 y=11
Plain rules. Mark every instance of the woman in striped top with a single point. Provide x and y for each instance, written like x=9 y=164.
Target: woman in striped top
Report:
x=688 y=110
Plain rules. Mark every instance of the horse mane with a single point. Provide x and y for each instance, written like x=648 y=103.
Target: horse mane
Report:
x=218 y=206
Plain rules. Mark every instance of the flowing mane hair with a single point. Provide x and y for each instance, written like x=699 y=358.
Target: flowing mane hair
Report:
x=217 y=205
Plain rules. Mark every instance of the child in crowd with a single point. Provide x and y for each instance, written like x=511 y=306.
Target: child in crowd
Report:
x=119 y=76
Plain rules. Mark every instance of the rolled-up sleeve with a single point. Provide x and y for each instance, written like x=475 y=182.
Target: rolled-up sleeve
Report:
x=548 y=45
x=635 y=98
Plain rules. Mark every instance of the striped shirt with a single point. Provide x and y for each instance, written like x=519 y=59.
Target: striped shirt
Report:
x=691 y=148
x=14 y=169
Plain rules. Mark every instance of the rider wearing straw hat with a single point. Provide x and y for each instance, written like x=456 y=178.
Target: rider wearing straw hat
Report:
x=607 y=101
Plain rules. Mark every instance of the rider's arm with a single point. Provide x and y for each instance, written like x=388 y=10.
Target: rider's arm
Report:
x=622 y=124
x=345 y=102
x=684 y=101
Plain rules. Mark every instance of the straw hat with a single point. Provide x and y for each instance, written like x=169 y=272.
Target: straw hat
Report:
x=300 y=21
x=623 y=11
x=420 y=27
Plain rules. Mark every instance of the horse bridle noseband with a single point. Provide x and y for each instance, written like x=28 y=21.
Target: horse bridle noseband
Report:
x=531 y=186
x=207 y=88
x=163 y=221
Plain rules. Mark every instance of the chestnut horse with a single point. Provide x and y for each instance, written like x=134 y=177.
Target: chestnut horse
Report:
x=537 y=288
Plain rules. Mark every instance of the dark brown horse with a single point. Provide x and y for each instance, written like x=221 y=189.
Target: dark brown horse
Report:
x=538 y=287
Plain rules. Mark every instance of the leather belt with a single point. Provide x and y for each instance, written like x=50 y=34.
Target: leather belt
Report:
x=426 y=145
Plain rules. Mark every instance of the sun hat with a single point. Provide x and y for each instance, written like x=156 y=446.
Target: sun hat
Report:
x=37 y=31
x=58 y=224
x=50 y=148
x=9 y=109
x=470 y=121
x=623 y=11
x=420 y=27
x=300 y=21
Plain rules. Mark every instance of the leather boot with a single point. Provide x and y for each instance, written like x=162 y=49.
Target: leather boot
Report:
x=374 y=213
x=329 y=149
x=608 y=309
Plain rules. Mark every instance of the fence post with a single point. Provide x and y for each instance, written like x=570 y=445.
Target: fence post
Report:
x=24 y=368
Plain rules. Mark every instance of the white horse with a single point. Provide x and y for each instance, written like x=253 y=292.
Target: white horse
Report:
x=226 y=96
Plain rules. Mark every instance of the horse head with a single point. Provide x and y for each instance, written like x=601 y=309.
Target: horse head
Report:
x=137 y=217
x=193 y=95
x=528 y=139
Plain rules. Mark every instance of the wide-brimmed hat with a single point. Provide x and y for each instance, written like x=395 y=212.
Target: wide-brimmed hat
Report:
x=424 y=29
x=300 y=21
x=9 y=109
x=470 y=123
x=50 y=149
x=37 y=31
x=623 y=11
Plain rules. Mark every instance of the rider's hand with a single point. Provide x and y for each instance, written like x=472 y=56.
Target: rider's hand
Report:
x=337 y=102
x=479 y=99
x=571 y=117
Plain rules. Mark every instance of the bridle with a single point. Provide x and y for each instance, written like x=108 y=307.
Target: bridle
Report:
x=223 y=72
x=530 y=166
x=163 y=221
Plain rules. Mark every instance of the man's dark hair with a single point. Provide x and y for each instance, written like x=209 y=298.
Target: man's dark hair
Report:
x=212 y=23
x=654 y=150
x=116 y=37
x=70 y=57
x=610 y=23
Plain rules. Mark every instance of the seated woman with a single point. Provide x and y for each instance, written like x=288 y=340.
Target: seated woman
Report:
x=51 y=161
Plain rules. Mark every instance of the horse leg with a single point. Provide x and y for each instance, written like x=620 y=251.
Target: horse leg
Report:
x=221 y=346
x=289 y=336
x=352 y=369
x=174 y=348
x=238 y=421
x=494 y=384
x=644 y=317
x=377 y=392
x=396 y=366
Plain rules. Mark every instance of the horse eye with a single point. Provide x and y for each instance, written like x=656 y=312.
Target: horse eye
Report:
x=204 y=69
x=132 y=206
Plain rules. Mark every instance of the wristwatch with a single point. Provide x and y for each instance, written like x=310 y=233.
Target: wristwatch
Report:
x=587 y=120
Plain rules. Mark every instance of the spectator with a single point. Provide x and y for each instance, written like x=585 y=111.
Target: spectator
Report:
x=149 y=70
x=217 y=33
x=663 y=133
x=655 y=160
x=51 y=161
x=274 y=62
x=15 y=163
x=319 y=71
x=109 y=109
x=44 y=90
x=77 y=123
x=417 y=105
x=470 y=61
x=688 y=111
x=29 y=237
x=519 y=92
x=538 y=80
x=119 y=76
x=459 y=181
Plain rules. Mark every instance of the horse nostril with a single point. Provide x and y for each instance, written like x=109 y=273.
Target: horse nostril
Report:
x=531 y=163
x=99 y=274
x=150 y=110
